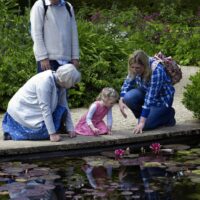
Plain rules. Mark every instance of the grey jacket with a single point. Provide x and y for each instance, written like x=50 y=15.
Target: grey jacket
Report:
x=55 y=35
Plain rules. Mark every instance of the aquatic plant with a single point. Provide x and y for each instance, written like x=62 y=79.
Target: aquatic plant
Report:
x=119 y=153
x=155 y=147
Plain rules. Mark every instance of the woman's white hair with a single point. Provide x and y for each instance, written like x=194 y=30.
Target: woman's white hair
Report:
x=68 y=75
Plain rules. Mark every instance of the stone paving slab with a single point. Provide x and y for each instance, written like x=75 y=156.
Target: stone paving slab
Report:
x=120 y=137
x=122 y=130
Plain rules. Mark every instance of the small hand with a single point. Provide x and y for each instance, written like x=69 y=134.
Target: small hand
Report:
x=72 y=134
x=45 y=64
x=54 y=137
x=96 y=131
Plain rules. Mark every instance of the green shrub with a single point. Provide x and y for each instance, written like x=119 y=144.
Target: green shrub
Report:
x=103 y=62
x=191 y=95
x=17 y=63
x=107 y=35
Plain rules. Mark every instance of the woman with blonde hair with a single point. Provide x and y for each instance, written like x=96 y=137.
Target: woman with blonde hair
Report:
x=148 y=91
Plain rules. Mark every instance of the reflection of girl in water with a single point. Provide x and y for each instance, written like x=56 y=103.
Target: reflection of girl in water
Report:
x=97 y=176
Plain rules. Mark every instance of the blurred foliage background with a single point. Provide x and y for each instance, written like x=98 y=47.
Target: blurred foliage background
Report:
x=109 y=32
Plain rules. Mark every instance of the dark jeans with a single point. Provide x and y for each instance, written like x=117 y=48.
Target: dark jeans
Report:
x=158 y=116
x=54 y=64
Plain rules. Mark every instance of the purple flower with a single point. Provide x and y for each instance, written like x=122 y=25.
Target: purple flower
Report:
x=155 y=147
x=119 y=152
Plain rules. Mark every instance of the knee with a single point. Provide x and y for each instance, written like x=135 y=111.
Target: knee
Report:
x=127 y=98
x=133 y=97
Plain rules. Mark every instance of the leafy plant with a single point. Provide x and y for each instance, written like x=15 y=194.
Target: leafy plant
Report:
x=107 y=35
x=191 y=95
x=16 y=57
x=103 y=59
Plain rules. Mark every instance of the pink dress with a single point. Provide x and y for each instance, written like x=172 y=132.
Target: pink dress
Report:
x=82 y=127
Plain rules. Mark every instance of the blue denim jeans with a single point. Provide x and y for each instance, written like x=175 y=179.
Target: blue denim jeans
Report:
x=158 y=116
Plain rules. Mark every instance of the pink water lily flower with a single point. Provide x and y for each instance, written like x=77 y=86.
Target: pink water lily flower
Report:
x=119 y=152
x=155 y=147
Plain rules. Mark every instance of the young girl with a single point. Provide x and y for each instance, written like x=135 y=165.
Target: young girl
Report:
x=92 y=122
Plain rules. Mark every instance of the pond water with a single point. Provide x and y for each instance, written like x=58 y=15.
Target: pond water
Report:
x=169 y=172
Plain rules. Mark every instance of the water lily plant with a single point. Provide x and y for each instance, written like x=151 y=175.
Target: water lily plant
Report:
x=119 y=153
x=155 y=147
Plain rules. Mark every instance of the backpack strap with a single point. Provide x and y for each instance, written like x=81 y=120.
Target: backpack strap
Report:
x=45 y=7
x=154 y=64
x=68 y=8
x=66 y=5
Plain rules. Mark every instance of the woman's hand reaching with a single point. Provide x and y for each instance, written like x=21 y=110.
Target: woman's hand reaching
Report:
x=139 y=127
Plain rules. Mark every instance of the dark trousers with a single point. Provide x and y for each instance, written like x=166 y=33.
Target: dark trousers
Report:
x=54 y=66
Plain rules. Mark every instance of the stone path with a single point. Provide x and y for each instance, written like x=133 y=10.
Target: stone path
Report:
x=182 y=114
x=122 y=129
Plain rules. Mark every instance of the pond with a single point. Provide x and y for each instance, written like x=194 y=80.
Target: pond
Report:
x=167 y=172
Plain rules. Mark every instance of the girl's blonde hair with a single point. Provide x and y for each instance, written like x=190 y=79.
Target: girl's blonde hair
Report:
x=108 y=92
x=141 y=58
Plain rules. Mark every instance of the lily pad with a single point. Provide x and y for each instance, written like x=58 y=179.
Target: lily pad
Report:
x=96 y=160
x=196 y=171
x=3 y=174
x=12 y=186
x=176 y=147
x=126 y=193
x=36 y=192
x=13 y=170
x=167 y=151
x=129 y=162
x=21 y=179
x=4 y=192
x=109 y=154
x=192 y=162
x=171 y=163
x=184 y=153
x=195 y=179
x=38 y=172
x=131 y=155
x=174 y=169
x=153 y=164
x=113 y=163
x=50 y=177
x=152 y=158
x=196 y=151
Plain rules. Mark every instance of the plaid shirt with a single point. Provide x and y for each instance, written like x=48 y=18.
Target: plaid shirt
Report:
x=159 y=89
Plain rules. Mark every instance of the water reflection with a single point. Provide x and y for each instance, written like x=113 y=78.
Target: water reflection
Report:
x=99 y=176
x=143 y=176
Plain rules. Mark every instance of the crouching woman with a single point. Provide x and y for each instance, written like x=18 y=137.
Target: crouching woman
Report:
x=148 y=92
x=37 y=109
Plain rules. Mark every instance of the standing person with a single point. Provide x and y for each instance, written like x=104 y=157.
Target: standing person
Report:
x=54 y=33
x=92 y=122
x=148 y=92
x=37 y=109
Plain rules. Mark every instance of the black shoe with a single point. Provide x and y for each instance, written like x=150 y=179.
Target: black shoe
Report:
x=62 y=129
x=6 y=136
